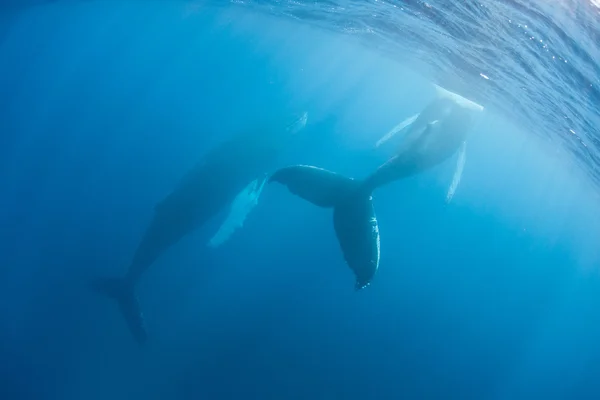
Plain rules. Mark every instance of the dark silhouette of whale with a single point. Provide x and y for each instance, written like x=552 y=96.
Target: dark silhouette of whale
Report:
x=208 y=187
x=354 y=218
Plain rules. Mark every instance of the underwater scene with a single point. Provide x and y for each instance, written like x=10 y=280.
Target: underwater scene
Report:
x=283 y=199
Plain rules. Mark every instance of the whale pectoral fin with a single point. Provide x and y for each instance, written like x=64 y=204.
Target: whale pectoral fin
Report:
x=298 y=124
x=242 y=205
x=397 y=129
x=460 y=165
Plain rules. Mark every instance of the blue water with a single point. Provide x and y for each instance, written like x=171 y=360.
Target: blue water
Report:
x=105 y=105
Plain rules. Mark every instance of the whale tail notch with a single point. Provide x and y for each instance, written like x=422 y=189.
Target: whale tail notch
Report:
x=124 y=293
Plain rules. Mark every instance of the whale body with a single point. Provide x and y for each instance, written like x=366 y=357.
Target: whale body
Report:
x=434 y=135
x=220 y=177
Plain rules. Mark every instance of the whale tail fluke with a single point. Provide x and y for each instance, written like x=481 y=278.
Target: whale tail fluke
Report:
x=319 y=186
x=354 y=218
x=124 y=293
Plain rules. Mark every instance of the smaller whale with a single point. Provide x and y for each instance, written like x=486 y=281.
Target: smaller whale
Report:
x=436 y=139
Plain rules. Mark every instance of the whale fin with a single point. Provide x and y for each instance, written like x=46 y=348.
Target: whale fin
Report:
x=354 y=219
x=397 y=129
x=242 y=205
x=460 y=165
x=298 y=124
x=357 y=231
x=123 y=292
x=319 y=186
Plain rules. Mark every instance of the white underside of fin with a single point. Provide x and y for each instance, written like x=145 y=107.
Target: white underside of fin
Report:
x=460 y=165
x=242 y=205
x=298 y=124
x=397 y=129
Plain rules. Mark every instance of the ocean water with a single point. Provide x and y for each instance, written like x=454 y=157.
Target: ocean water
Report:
x=106 y=105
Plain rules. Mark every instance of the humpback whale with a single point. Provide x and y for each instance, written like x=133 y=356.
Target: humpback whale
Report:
x=233 y=173
x=440 y=108
x=435 y=135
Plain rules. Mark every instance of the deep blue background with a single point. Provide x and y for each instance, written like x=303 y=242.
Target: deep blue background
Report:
x=104 y=106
